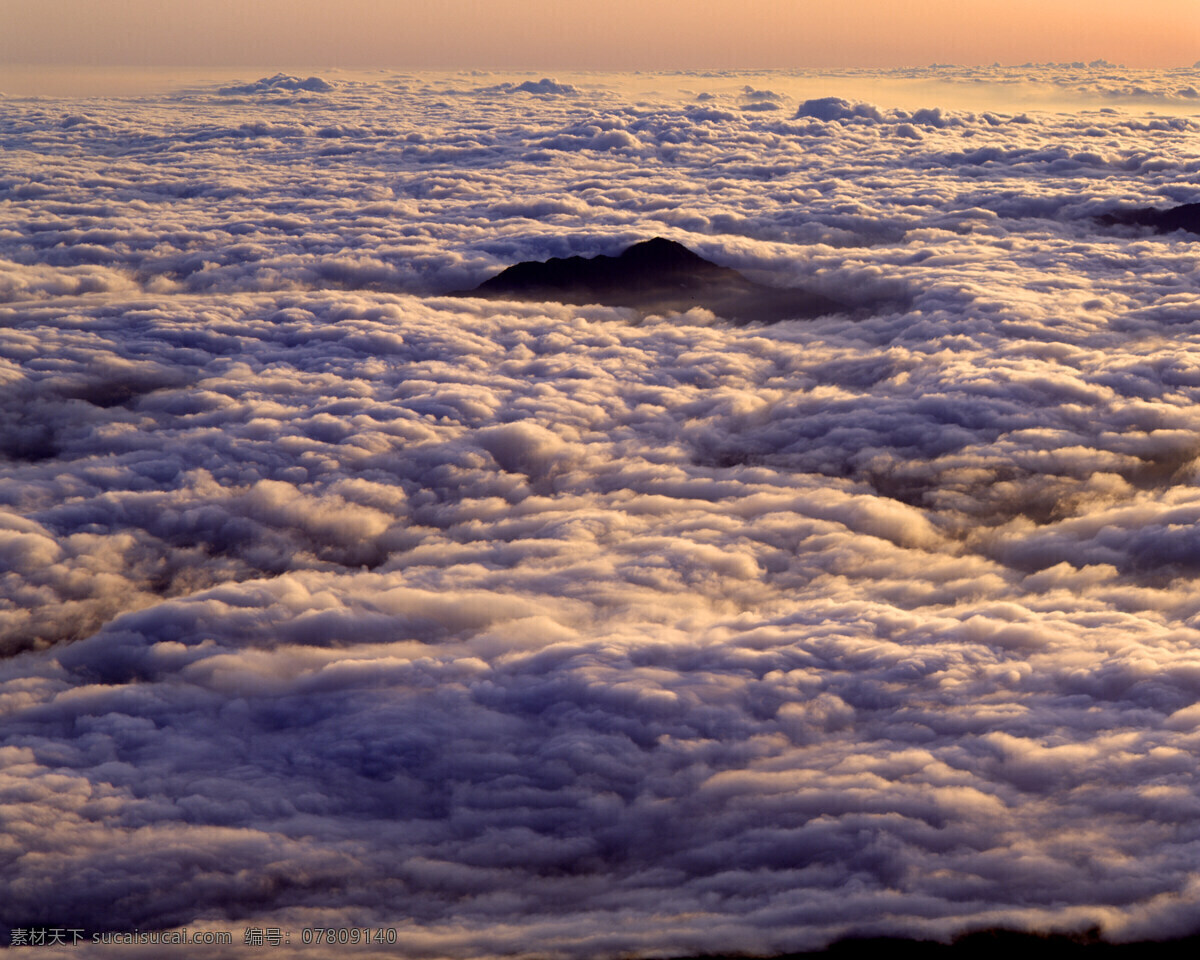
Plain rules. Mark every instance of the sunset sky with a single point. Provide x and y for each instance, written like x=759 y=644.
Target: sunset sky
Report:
x=617 y=35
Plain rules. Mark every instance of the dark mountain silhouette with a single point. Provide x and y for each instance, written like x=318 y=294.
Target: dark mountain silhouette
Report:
x=995 y=944
x=655 y=276
x=1185 y=217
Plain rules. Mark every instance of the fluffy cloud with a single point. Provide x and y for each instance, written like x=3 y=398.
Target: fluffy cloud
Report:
x=835 y=108
x=280 y=83
x=560 y=631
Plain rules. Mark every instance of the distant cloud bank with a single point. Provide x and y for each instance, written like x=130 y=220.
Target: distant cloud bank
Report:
x=278 y=83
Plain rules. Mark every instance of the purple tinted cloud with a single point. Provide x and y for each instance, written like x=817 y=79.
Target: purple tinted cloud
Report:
x=552 y=630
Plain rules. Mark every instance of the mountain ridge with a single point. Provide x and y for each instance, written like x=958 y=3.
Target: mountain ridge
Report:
x=653 y=276
x=1183 y=217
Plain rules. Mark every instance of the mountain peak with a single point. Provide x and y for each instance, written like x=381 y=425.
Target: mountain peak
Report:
x=1183 y=217
x=662 y=251
x=653 y=276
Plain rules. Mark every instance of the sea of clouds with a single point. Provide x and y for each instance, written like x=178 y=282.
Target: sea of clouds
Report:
x=329 y=600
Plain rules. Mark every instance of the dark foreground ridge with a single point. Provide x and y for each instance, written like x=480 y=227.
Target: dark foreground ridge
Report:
x=1185 y=217
x=997 y=944
x=655 y=276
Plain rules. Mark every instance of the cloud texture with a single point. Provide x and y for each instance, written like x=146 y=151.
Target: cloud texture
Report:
x=329 y=601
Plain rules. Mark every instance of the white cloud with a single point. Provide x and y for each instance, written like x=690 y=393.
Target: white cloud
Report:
x=325 y=596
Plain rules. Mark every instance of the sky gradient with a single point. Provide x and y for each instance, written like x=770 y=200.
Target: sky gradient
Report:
x=618 y=35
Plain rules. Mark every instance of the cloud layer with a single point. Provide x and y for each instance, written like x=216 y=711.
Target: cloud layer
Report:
x=547 y=630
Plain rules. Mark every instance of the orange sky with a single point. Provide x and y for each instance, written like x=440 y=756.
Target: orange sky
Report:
x=611 y=34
